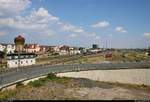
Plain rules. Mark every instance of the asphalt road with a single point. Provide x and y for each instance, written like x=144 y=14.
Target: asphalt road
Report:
x=25 y=73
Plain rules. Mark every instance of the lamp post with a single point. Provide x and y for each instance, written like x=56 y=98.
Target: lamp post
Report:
x=18 y=60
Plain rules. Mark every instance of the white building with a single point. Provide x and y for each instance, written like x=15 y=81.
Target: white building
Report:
x=74 y=50
x=10 y=48
x=57 y=48
x=2 y=47
x=95 y=50
x=32 y=48
x=61 y=49
x=64 y=50
x=26 y=59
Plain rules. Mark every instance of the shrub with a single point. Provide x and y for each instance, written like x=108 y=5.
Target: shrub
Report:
x=36 y=83
x=51 y=76
x=18 y=84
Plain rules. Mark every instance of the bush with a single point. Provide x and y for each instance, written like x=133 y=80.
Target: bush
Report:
x=53 y=77
x=18 y=84
x=50 y=77
x=36 y=83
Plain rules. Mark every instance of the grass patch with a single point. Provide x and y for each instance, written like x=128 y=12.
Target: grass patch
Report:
x=50 y=77
x=53 y=77
x=4 y=95
x=36 y=83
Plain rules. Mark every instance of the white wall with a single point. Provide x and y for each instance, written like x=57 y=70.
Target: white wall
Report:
x=10 y=48
x=63 y=52
x=131 y=76
x=23 y=62
x=2 y=47
x=75 y=52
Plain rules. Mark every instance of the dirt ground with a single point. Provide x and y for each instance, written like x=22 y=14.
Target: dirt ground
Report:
x=82 y=89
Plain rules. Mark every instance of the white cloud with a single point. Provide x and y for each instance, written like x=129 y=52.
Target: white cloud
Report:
x=73 y=35
x=146 y=35
x=36 y=20
x=97 y=37
x=71 y=28
x=43 y=16
x=120 y=29
x=41 y=24
x=13 y=7
x=101 y=24
x=93 y=34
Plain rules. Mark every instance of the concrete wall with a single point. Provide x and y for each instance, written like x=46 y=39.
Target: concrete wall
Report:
x=132 y=76
x=13 y=86
x=23 y=62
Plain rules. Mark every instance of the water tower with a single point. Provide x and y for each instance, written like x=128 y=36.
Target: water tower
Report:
x=19 y=43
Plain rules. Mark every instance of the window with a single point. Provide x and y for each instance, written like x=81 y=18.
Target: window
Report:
x=13 y=57
x=16 y=57
x=21 y=56
x=26 y=61
x=31 y=60
x=21 y=62
x=9 y=57
x=15 y=62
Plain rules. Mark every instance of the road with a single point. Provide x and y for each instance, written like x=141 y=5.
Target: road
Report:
x=25 y=73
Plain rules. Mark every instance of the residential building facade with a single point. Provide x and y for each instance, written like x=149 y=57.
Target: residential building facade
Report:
x=32 y=48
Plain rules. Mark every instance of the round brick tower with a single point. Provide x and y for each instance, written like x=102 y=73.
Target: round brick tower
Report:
x=19 y=43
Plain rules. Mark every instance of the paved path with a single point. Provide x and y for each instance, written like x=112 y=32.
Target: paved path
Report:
x=13 y=76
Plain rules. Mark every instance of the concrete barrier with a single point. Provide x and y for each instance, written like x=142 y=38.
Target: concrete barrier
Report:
x=25 y=81
x=130 y=76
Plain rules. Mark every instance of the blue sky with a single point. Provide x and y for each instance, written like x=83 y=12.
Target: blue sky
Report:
x=109 y=23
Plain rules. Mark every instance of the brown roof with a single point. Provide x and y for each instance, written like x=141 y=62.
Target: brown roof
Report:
x=65 y=48
x=19 y=39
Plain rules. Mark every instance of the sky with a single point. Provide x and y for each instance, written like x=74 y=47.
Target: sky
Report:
x=108 y=23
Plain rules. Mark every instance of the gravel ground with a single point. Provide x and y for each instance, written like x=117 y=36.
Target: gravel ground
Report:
x=82 y=89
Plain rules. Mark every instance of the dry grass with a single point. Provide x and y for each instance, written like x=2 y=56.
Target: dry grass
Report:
x=63 y=88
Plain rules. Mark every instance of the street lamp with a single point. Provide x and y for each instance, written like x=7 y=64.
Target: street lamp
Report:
x=18 y=60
